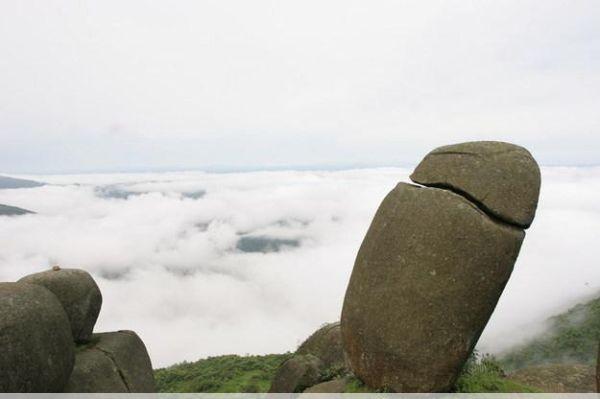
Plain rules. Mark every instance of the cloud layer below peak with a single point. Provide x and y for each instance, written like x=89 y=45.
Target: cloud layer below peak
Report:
x=259 y=260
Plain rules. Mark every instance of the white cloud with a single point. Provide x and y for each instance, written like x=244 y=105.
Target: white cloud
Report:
x=168 y=267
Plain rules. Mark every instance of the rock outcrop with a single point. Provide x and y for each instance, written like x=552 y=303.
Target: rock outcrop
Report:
x=79 y=295
x=319 y=358
x=296 y=374
x=36 y=346
x=434 y=263
x=95 y=372
x=325 y=344
x=112 y=363
x=42 y=318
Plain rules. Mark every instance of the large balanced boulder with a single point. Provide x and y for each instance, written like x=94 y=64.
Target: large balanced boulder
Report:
x=501 y=178
x=326 y=344
x=36 y=346
x=296 y=374
x=426 y=280
x=112 y=363
x=79 y=295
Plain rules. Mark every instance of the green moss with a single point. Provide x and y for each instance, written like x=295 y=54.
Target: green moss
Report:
x=230 y=373
x=572 y=337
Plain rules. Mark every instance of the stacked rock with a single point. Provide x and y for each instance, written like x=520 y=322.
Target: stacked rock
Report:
x=434 y=263
x=47 y=341
x=315 y=360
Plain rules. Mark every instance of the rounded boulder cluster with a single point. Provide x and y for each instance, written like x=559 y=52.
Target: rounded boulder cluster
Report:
x=47 y=342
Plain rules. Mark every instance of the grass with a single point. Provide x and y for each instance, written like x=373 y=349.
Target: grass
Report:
x=354 y=385
x=230 y=373
x=485 y=374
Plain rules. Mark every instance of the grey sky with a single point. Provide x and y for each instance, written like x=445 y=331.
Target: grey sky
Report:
x=116 y=85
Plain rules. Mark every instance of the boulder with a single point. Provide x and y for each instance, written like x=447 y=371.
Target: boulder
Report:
x=557 y=378
x=326 y=344
x=502 y=178
x=296 y=374
x=111 y=363
x=129 y=354
x=425 y=282
x=334 y=386
x=79 y=295
x=95 y=372
x=36 y=345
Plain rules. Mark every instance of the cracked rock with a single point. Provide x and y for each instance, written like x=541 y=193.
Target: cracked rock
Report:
x=112 y=363
x=36 y=346
x=502 y=177
x=433 y=265
x=94 y=372
x=79 y=295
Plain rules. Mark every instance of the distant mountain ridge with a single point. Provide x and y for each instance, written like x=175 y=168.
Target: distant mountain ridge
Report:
x=7 y=210
x=11 y=182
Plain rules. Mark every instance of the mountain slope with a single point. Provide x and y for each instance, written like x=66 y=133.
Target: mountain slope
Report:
x=573 y=337
x=229 y=373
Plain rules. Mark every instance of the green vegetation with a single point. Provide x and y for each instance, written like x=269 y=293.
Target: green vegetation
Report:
x=572 y=338
x=230 y=373
x=484 y=374
x=354 y=385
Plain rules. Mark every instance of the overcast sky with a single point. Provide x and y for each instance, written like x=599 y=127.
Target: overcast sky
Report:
x=135 y=85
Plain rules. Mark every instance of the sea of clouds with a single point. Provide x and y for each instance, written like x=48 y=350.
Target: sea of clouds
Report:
x=203 y=264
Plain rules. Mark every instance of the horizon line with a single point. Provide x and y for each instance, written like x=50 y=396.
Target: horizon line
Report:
x=249 y=169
